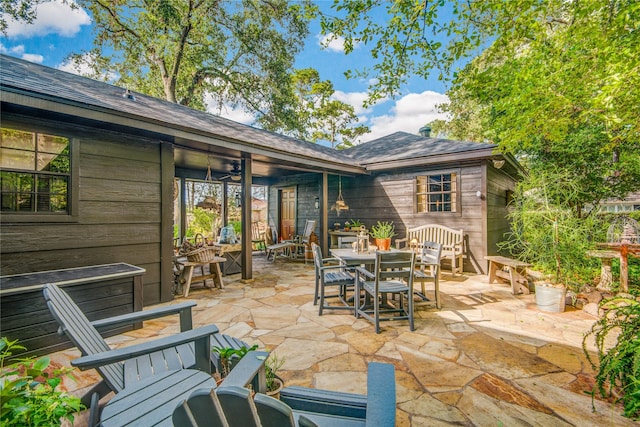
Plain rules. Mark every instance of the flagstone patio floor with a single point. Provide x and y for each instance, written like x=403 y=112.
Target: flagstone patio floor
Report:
x=487 y=358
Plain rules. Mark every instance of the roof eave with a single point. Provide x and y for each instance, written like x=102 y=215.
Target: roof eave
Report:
x=480 y=154
x=29 y=99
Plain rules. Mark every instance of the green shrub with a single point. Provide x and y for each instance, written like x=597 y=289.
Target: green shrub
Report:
x=28 y=392
x=550 y=233
x=618 y=373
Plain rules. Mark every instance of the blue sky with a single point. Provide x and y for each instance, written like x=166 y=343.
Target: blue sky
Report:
x=59 y=31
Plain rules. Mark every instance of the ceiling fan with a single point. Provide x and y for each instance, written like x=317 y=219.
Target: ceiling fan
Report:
x=234 y=173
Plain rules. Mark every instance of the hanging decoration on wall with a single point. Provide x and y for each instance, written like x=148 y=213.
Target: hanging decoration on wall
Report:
x=340 y=205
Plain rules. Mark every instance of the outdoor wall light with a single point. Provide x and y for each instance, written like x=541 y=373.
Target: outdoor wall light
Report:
x=317 y=202
x=498 y=163
x=479 y=195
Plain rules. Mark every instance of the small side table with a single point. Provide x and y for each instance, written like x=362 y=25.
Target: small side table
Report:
x=214 y=273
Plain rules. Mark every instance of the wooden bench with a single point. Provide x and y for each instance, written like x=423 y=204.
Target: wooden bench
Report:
x=452 y=242
x=511 y=271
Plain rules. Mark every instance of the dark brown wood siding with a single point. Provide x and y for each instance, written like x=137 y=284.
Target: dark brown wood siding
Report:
x=119 y=213
x=307 y=189
x=390 y=196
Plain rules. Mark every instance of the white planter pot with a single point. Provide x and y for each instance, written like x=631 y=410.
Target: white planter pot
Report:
x=550 y=298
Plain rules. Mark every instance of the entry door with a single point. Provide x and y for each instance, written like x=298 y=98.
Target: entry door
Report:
x=287 y=213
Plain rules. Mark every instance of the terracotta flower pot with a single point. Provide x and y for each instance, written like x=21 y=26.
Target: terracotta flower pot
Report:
x=383 y=244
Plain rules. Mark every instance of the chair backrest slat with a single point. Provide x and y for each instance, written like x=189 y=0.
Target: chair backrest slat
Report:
x=81 y=332
x=202 y=408
x=238 y=407
x=431 y=252
x=272 y=412
x=395 y=266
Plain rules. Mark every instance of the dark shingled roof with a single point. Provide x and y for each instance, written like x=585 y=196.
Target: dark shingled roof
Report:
x=35 y=80
x=402 y=145
x=40 y=81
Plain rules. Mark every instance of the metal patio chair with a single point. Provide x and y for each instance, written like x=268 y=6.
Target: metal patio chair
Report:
x=392 y=276
x=428 y=270
x=330 y=273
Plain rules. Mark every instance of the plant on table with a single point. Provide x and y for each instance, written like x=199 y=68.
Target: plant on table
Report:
x=355 y=223
x=383 y=230
x=28 y=392
x=229 y=357
x=618 y=369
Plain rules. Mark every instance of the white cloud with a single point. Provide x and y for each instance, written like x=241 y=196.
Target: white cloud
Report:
x=355 y=99
x=409 y=114
x=53 y=17
x=18 y=51
x=83 y=68
x=227 y=111
x=33 y=57
x=332 y=42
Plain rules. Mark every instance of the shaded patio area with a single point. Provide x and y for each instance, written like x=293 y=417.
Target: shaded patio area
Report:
x=486 y=358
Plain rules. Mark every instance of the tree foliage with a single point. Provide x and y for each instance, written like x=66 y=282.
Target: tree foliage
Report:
x=557 y=83
x=195 y=52
x=318 y=117
x=17 y=10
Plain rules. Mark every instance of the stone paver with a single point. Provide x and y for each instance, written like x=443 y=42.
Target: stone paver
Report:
x=487 y=358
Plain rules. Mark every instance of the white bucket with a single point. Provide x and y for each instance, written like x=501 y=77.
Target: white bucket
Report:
x=550 y=298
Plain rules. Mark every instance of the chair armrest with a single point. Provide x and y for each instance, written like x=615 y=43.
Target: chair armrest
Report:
x=365 y=272
x=249 y=367
x=118 y=355
x=398 y=241
x=381 y=395
x=183 y=309
x=333 y=267
x=327 y=402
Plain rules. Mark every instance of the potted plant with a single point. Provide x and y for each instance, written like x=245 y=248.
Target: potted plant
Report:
x=355 y=224
x=274 y=382
x=228 y=357
x=382 y=232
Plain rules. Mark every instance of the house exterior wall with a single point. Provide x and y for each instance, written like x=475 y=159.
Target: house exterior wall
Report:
x=120 y=211
x=307 y=189
x=390 y=196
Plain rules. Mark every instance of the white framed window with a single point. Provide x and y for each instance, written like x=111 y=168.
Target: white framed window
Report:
x=437 y=192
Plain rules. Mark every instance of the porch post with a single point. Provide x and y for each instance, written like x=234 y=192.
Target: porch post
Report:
x=324 y=214
x=246 y=256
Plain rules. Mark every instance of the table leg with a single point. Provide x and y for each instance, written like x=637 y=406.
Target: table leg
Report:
x=492 y=271
x=216 y=266
x=188 y=273
x=624 y=271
